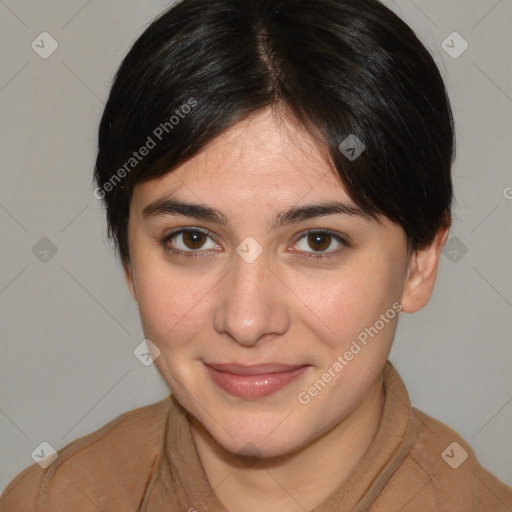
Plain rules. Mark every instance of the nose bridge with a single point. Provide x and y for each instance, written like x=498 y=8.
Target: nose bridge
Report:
x=250 y=306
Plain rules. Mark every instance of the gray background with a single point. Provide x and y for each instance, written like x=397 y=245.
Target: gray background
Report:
x=68 y=324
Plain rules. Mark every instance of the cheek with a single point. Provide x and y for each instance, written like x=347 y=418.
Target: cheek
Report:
x=340 y=306
x=170 y=298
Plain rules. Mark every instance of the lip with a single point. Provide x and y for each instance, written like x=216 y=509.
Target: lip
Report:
x=254 y=381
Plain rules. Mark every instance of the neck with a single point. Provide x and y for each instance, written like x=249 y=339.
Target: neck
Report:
x=306 y=477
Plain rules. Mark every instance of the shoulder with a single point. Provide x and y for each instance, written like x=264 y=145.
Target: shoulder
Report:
x=442 y=473
x=111 y=465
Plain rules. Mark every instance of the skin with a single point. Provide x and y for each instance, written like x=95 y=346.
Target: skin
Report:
x=282 y=307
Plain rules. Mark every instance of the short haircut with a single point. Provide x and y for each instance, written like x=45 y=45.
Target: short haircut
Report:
x=340 y=68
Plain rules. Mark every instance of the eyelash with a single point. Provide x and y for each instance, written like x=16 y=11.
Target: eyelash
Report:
x=197 y=253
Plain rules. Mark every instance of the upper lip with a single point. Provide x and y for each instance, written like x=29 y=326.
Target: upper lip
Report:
x=255 y=369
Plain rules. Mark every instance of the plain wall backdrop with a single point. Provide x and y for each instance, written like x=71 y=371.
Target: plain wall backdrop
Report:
x=68 y=324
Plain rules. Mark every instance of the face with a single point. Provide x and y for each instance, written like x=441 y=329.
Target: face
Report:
x=271 y=327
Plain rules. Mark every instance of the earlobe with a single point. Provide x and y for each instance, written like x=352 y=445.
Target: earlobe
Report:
x=422 y=272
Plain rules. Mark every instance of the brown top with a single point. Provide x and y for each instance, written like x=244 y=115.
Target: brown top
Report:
x=145 y=460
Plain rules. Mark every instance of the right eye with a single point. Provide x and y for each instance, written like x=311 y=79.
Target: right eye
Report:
x=186 y=242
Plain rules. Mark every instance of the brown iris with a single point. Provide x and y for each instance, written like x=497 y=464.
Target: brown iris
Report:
x=322 y=239
x=194 y=239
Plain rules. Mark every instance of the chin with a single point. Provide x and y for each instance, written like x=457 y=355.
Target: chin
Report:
x=259 y=448
x=257 y=440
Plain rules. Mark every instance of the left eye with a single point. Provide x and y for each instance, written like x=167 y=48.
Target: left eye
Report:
x=320 y=241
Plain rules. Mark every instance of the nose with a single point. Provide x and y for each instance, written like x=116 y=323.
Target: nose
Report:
x=253 y=304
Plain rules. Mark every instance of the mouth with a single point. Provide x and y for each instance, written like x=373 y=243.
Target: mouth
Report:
x=254 y=381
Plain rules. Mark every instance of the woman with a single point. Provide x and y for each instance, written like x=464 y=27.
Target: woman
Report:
x=276 y=176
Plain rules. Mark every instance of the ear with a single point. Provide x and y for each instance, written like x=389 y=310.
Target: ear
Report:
x=422 y=272
x=128 y=275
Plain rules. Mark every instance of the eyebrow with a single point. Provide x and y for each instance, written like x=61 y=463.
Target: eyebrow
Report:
x=172 y=206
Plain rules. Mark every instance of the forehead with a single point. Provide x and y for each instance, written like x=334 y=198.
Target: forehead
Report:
x=264 y=160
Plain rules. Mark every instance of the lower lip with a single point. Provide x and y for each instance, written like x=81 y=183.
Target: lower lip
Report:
x=254 y=386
